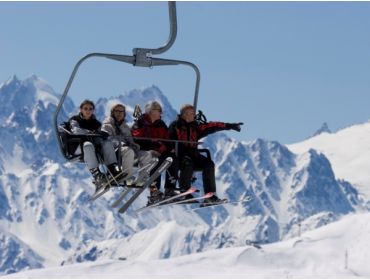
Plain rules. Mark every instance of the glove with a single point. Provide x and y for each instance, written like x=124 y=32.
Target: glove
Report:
x=103 y=134
x=234 y=126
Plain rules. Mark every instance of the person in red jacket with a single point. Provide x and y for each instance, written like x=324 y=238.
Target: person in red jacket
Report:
x=188 y=129
x=150 y=125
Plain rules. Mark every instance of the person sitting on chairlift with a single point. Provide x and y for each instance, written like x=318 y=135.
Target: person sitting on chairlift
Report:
x=116 y=127
x=85 y=124
x=150 y=125
x=186 y=128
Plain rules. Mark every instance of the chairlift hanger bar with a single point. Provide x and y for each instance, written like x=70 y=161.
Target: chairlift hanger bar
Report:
x=171 y=38
x=141 y=57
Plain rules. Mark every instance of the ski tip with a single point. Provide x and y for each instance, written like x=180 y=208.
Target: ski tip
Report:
x=208 y=195
x=193 y=189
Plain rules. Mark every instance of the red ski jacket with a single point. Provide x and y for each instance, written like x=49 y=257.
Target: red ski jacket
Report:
x=144 y=127
x=192 y=131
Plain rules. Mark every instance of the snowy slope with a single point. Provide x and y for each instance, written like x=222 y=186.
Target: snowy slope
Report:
x=44 y=207
x=338 y=250
x=348 y=151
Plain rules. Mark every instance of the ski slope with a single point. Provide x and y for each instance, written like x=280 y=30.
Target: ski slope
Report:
x=338 y=250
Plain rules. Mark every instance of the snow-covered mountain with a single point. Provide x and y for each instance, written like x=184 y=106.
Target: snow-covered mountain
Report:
x=348 y=151
x=136 y=97
x=45 y=213
x=339 y=250
x=323 y=129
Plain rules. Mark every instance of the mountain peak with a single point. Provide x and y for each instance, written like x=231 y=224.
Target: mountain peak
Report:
x=137 y=97
x=12 y=79
x=323 y=129
x=12 y=82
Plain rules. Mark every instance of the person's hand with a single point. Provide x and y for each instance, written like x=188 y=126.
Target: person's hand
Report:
x=103 y=134
x=234 y=126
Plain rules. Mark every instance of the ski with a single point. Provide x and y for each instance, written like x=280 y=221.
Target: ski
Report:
x=139 y=179
x=207 y=205
x=168 y=200
x=182 y=202
x=123 y=194
x=202 y=205
x=164 y=166
x=147 y=168
x=105 y=188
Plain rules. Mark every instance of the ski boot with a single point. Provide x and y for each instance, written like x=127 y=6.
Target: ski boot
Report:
x=169 y=193
x=155 y=195
x=99 y=179
x=116 y=172
x=130 y=181
x=213 y=200
x=186 y=197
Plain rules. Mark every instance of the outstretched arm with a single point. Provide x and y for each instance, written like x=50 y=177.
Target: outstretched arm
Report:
x=212 y=127
x=234 y=126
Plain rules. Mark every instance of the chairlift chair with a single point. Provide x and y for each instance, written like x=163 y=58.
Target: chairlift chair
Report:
x=142 y=57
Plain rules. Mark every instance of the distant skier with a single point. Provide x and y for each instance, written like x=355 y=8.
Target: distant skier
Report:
x=188 y=129
x=150 y=125
x=115 y=125
x=85 y=123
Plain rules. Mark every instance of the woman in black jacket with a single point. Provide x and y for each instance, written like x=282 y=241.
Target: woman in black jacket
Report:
x=85 y=123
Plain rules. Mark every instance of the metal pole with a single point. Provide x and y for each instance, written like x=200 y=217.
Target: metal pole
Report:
x=171 y=39
x=162 y=62
x=173 y=29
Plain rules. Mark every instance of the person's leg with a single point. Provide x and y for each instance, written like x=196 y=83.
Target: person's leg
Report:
x=110 y=159
x=93 y=164
x=128 y=157
x=209 y=181
x=144 y=159
x=109 y=154
x=186 y=173
x=90 y=156
x=207 y=167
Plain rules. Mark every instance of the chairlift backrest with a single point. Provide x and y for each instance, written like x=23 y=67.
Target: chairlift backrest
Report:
x=69 y=143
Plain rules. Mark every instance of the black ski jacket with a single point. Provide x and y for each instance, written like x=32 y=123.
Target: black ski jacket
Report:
x=80 y=125
x=192 y=131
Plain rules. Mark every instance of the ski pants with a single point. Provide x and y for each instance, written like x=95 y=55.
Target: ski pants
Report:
x=128 y=158
x=107 y=149
x=197 y=163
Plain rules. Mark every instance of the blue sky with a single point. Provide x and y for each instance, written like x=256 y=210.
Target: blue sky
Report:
x=282 y=68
